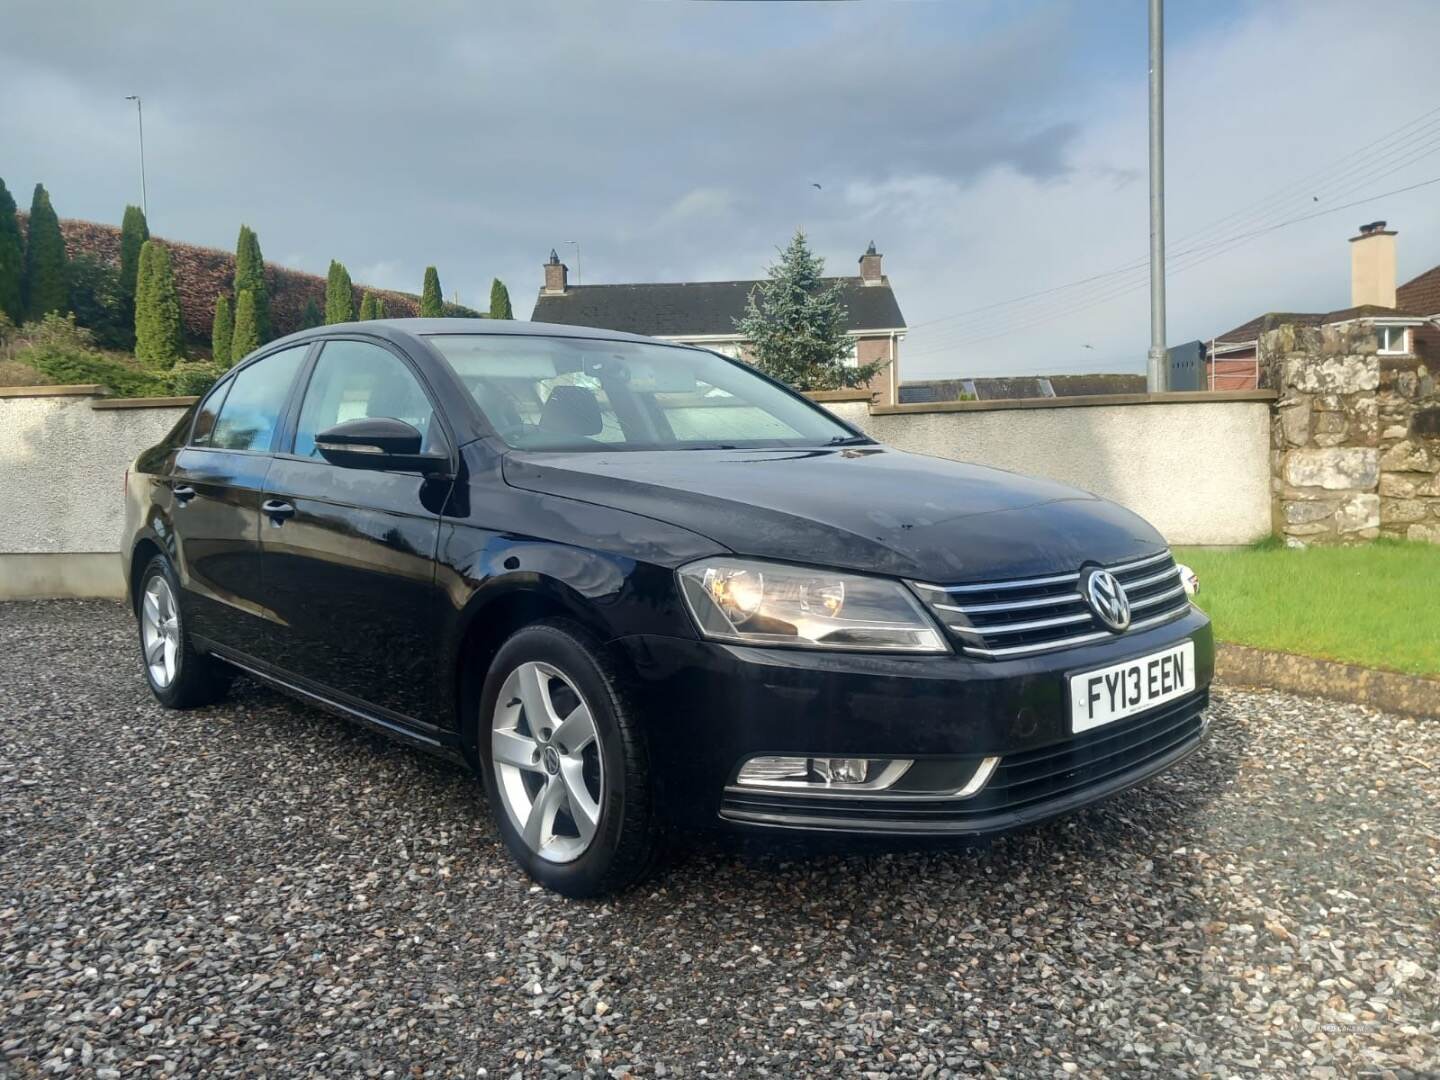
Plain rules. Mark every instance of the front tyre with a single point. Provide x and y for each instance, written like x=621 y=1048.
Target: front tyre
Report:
x=564 y=763
x=179 y=677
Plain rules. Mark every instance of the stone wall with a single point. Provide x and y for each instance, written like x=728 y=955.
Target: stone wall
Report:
x=1409 y=407
x=1352 y=454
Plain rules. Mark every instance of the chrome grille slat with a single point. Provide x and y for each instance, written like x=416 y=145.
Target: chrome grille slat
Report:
x=996 y=626
x=1015 y=628
x=1174 y=571
x=1013 y=605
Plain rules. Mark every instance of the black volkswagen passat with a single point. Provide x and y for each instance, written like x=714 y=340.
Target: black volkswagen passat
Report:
x=641 y=587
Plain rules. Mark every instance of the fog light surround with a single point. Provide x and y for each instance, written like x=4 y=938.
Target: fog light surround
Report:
x=823 y=773
x=1188 y=579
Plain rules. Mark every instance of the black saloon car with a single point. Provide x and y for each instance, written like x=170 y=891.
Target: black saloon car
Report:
x=640 y=587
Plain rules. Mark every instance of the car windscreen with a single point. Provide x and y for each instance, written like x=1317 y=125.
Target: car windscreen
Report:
x=552 y=393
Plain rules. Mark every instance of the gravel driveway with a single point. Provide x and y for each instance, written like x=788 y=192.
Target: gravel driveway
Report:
x=261 y=889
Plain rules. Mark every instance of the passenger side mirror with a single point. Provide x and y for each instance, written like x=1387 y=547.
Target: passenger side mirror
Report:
x=381 y=443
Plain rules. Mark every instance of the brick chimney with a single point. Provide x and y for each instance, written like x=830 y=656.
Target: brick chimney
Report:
x=870 y=266
x=556 y=275
x=1372 y=266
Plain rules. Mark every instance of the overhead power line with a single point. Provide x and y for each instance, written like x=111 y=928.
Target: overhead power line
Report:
x=1363 y=165
x=1071 y=309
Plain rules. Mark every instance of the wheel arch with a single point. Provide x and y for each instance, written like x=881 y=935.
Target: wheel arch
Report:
x=488 y=621
x=145 y=549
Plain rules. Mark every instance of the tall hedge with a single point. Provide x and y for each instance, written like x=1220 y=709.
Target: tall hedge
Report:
x=432 y=301
x=134 y=231
x=250 y=276
x=367 y=307
x=222 y=331
x=45 y=286
x=158 y=331
x=12 y=259
x=339 y=295
x=500 y=301
x=312 y=316
x=246 y=338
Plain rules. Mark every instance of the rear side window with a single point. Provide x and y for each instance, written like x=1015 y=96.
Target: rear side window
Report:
x=251 y=410
x=205 y=418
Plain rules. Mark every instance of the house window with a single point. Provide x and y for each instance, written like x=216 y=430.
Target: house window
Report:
x=1394 y=339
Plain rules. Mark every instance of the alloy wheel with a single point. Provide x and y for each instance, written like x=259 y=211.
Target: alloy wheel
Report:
x=160 y=631
x=548 y=766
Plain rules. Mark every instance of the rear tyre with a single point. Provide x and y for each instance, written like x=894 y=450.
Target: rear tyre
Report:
x=564 y=763
x=179 y=677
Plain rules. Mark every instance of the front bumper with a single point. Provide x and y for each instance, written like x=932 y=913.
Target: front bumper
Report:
x=710 y=706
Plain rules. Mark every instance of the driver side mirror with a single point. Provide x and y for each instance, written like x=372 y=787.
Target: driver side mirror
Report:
x=379 y=443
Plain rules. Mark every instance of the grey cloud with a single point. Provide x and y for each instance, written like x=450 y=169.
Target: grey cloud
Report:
x=477 y=138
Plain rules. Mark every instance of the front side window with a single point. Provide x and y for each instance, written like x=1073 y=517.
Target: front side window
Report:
x=542 y=393
x=355 y=380
x=251 y=410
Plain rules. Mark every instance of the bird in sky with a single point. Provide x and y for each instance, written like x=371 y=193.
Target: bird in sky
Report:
x=816 y=186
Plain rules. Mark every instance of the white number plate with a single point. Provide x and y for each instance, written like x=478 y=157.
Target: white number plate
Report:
x=1113 y=693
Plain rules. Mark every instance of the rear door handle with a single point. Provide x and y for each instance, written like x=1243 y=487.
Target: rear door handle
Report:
x=278 y=510
x=183 y=493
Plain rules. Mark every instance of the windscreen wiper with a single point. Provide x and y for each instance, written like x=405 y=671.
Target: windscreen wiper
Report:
x=850 y=440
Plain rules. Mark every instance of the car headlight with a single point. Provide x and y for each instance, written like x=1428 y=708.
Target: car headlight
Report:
x=760 y=603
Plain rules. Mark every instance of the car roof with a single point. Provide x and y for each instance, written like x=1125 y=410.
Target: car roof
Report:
x=394 y=328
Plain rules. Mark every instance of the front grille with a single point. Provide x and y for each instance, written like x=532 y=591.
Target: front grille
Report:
x=1025 y=786
x=1000 y=619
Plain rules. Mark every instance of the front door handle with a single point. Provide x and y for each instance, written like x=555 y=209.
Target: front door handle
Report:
x=183 y=493
x=278 y=510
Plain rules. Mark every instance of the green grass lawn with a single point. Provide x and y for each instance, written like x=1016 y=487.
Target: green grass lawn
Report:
x=1376 y=605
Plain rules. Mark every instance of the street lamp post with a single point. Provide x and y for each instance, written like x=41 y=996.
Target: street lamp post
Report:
x=1157 y=371
x=579 y=278
x=140 y=119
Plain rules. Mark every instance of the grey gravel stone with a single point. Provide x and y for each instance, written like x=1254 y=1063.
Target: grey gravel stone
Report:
x=260 y=889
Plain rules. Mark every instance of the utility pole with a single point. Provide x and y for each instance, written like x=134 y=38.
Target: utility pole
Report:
x=1157 y=372
x=140 y=119
x=579 y=278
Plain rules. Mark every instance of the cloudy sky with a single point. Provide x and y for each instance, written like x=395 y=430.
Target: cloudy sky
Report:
x=991 y=150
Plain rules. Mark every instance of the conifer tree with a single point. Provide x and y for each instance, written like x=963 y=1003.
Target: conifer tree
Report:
x=367 y=308
x=12 y=260
x=379 y=307
x=500 y=301
x=134 y=231
x=246 y=338
x=432 y=300
x=45 y=286
x=158 y=331
x=794 y=324
x=222 y=331
x=312 y=315
x=250 y=276
x=339 y=295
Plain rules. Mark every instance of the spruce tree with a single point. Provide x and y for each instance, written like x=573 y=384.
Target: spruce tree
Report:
x=246 y=338
x=250 y=276
x=432 y=301
x=45 y=286
x=158 y=331
x=500 y=301
x=12 y=260
x=222 y=331
x=339 y=295
x=312 y=316
x=794 y=324
x=134 y=231
x=367 y=308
